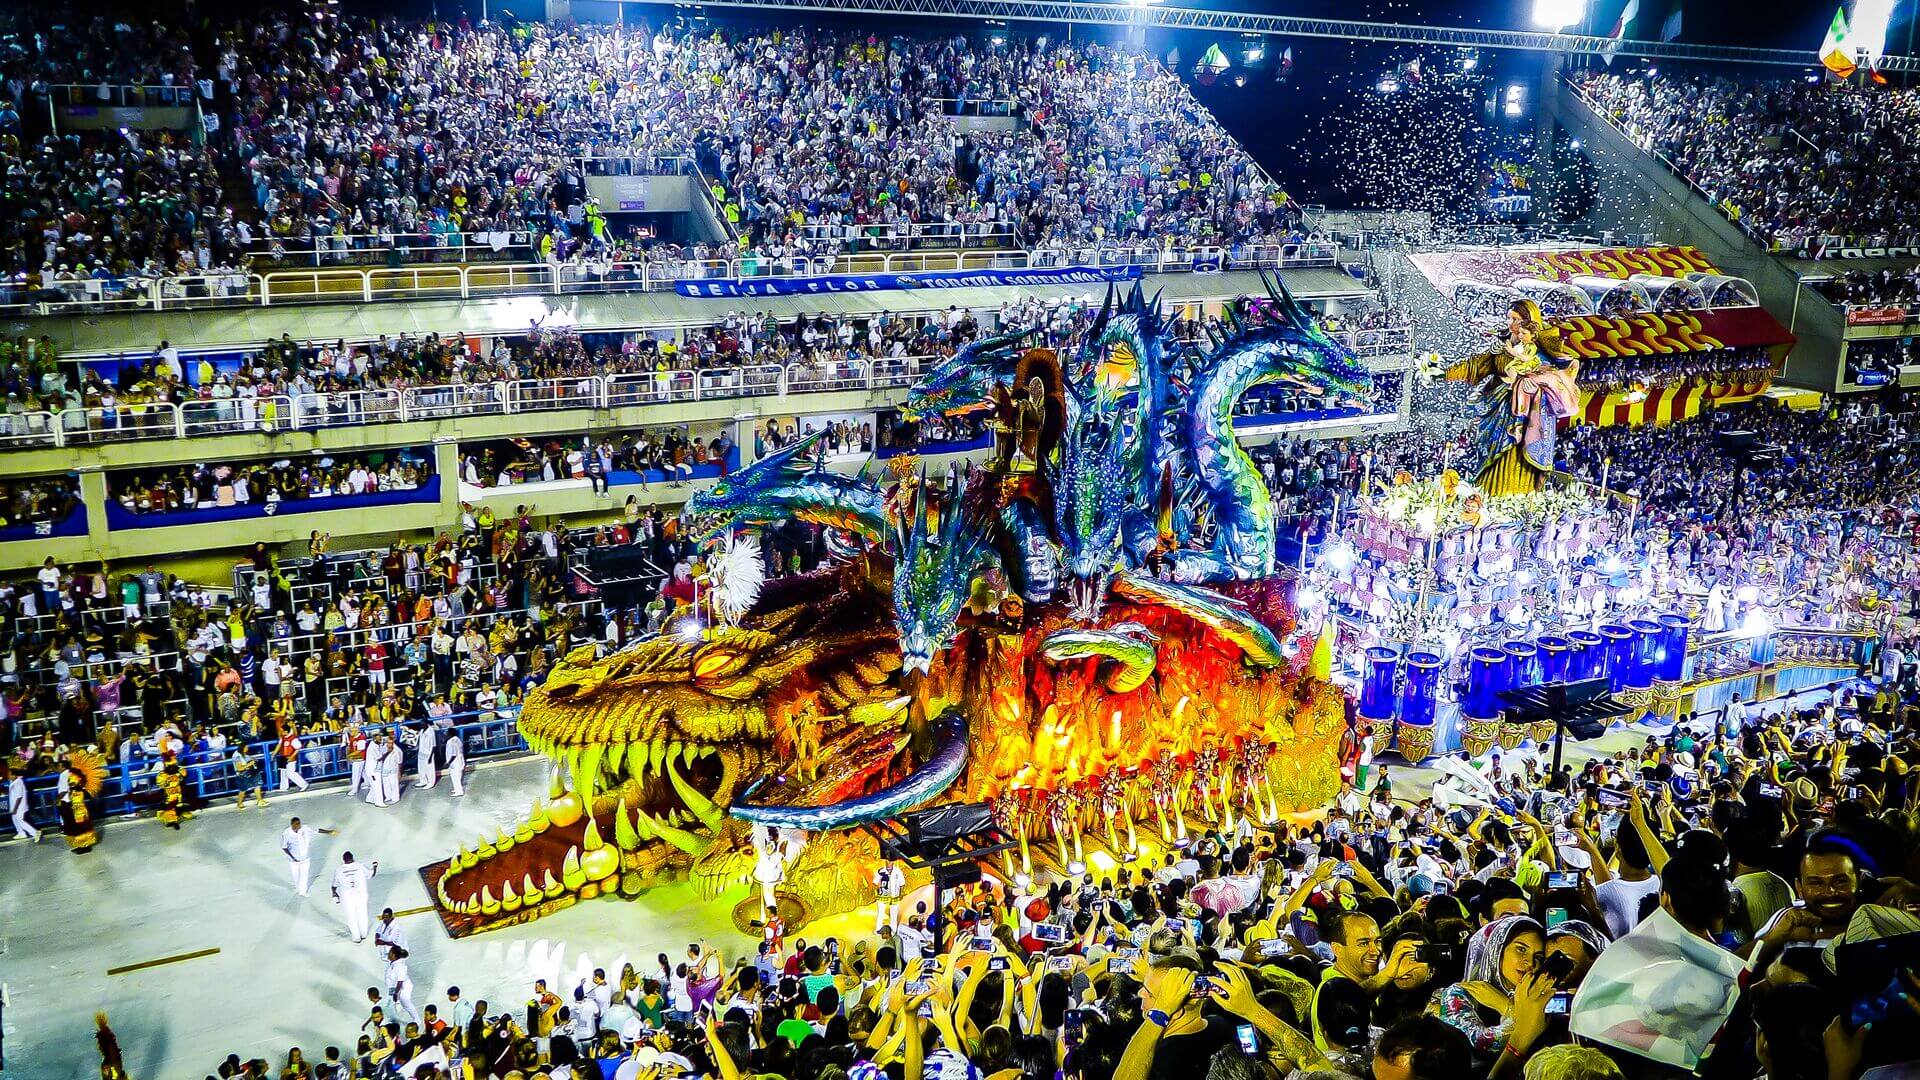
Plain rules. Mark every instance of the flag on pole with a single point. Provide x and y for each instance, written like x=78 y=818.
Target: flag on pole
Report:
x=1212 y=63
x=1627 y=15
x=1670 y=29
x=1659 y=992
x=1835 y=51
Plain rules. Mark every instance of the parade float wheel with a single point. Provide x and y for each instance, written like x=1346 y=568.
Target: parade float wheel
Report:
x=793 y=912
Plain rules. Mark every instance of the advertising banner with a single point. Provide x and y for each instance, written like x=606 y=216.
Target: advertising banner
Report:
x=734 y=288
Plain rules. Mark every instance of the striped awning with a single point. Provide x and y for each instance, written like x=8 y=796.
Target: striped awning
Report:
x=1666 y=404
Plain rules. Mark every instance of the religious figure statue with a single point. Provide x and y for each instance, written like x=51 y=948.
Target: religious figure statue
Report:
x=1525 y=389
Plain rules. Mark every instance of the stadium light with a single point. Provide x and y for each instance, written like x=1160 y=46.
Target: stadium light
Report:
x=1557 y=15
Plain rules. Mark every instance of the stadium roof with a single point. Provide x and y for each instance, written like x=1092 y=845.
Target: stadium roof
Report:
x=137 y=332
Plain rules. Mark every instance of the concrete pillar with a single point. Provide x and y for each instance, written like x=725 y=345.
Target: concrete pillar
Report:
x=93 y=495
x=446 y=463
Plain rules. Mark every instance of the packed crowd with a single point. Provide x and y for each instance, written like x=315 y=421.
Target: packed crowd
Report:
x=348 y=133
x=1887 y=286
x=28 y=500
x=207 y=485
x=1877 y=361
x=1828 y=461
x=1406 y=935
x=1749 y=364
x=1791 y=162
x=307 y=661
x=665 y=454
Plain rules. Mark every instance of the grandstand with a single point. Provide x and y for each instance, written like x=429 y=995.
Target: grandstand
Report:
x=359 y=369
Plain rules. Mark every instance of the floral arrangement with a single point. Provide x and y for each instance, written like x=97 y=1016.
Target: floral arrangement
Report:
x=1445 y=503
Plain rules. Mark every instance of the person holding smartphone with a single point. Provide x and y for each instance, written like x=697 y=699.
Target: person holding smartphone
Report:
x=1181 y=1028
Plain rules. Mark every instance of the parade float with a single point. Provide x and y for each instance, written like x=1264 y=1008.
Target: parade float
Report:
x=1448 y=592
x=1088 y=635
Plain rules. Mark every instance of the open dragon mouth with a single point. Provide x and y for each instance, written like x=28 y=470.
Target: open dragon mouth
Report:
x=637 y=812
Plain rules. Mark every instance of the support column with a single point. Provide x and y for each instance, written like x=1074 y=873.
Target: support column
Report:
x=93 y=495
x=446 y=464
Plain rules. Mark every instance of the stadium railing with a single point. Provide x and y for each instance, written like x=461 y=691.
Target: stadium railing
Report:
x=359 y=408
x=454 y=279
x=129 y=789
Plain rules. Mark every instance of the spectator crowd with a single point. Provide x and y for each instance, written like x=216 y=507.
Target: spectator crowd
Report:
x=325 y=137
x=1802 y=166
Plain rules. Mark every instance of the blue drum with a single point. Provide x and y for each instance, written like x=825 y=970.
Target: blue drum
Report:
x=1670 y=663
x=1556 y=658
x=1487 y=675
x=1590 y=655
x=1646 y=649
x=1523 y=664
x=1376 y=685
x=1422 y=693
x=1619 y=654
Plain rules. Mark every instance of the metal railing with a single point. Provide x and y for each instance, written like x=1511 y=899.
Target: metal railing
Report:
x=129 y=787
x=350 y=284
x=119 y=95
x=277 y=414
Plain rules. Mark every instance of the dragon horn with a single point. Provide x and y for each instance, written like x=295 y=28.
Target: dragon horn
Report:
x=1106 y=313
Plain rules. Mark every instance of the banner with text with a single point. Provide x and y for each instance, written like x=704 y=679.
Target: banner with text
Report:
x=732 y=288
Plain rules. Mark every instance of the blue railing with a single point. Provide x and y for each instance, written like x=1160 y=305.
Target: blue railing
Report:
x=129 y=787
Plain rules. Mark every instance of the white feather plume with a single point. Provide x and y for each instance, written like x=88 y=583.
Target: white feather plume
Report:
x=738 y=575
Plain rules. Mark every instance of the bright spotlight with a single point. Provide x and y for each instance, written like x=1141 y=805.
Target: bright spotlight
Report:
x=1523 y=577
x=1388 y=85
x=1558 y=14
x=1756 y=624
x=1340 y=557
x=1575 y=144
x=1468 y=63
x=998 y=40
x=1747 y=594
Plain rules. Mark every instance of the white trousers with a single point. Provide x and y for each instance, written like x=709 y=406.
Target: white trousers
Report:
x=428 y=777
x=456 y=767
x=290 y=776
x=25 y=830
x=354 y=906
x=298 y=870
x=359 y=777
x=402 y=995
x=376 y=791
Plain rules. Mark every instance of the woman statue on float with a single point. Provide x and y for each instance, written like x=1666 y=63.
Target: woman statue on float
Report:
x=1527 y=388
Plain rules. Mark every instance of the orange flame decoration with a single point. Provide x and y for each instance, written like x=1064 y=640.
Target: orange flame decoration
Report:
x=1649 y=334
x=1621 y=263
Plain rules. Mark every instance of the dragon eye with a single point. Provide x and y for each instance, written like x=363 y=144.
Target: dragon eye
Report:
x=715 y=662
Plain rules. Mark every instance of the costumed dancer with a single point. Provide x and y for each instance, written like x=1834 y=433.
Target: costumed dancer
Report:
x=1164 y=785
x=85 y=775
x=173 y=795
x=769 y=864
x=1206 y=765
x=889 y=881
x=1525 y=389
x=111 y=1067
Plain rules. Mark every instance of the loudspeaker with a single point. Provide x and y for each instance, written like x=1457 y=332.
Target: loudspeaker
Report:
x=954 y=875
x=948 y=823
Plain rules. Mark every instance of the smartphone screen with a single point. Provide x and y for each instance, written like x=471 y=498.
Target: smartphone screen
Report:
x=997 y=963
x=1071 y=1030
x=1249 y=1039
x=1560 y=1003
